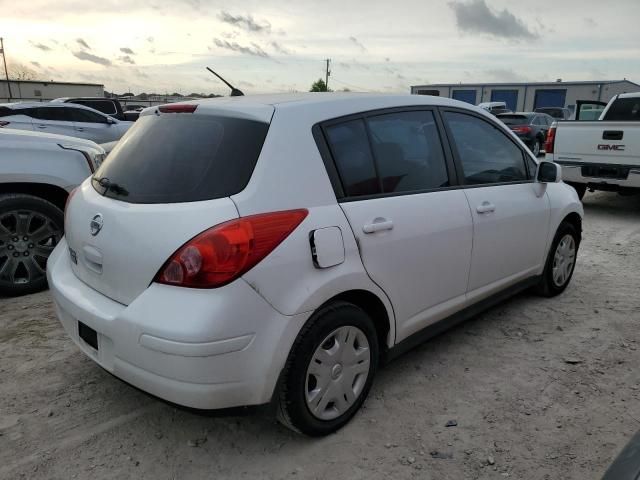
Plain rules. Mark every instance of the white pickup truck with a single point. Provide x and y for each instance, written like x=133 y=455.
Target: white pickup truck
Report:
x=37 y=173
x=601 y=154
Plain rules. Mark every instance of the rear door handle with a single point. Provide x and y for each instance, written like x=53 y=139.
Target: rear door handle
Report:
x=486 y=207
x=379 y=224
x=80 y=129
x=42 y=126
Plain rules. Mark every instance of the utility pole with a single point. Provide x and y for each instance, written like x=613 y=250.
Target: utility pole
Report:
x=327 y=73
x=6 y=71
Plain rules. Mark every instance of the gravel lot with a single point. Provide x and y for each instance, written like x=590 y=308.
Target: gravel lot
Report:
x=540 y=389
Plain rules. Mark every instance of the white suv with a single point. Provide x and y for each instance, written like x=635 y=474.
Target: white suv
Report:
x=62 y=119
x=245 y=250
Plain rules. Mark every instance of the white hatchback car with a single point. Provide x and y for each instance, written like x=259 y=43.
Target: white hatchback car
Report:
x=62 y=119
x=245 y=250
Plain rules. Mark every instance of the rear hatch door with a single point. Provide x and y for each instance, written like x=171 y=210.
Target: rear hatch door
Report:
x=167 y=180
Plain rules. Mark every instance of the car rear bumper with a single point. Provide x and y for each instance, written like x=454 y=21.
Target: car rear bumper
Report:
x=602 y=176
x=199 y=348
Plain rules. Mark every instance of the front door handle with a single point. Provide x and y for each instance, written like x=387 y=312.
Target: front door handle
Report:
x=42 y=126
x=486 y=207
x=379 y=224
x=80 y=129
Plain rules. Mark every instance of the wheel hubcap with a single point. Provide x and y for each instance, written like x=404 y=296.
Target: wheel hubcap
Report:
x=27 y=239
x=337 y=373
x=564 y=260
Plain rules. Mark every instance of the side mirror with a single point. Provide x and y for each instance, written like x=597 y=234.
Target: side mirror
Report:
x=110 y=121
x=549 y=172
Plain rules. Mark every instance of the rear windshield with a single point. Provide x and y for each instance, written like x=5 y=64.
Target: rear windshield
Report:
x=624 y=110
x=181 y=157
x=514 y=119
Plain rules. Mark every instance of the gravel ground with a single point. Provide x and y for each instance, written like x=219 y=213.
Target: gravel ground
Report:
x=539 y=388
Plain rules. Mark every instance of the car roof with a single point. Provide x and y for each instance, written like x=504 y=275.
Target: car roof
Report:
x=521 y=114
x=318 y=106
x=629 y=95
x=22 y=105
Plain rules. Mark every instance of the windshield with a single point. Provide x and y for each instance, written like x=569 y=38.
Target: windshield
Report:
x=174 y=158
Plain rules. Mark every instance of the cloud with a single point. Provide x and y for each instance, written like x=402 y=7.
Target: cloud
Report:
x=279 y=48
x=36 y=64
x=150 y=39
x=127 y=59
x=505 y=75
x=357 y=43
x=246 y=22
x=127 y=50
x=590 y=22
x=88 y=57
x=254 y=50
x=475 y=17
x=83 y=44
x=41 y=46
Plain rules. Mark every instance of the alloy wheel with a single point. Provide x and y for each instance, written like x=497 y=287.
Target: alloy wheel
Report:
x=27 y=238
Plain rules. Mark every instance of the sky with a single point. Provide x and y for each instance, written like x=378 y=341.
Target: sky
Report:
x=264 y=46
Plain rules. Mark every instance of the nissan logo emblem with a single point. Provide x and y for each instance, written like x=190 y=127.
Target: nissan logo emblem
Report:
x=96 y=224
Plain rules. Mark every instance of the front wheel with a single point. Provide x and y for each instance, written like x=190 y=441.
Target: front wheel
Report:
x=30 y=227
x=329 y=371
x=561 y=261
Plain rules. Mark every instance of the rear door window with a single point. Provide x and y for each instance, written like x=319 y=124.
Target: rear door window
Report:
x=485 y=152
x=514 y=119
x=352 y=154
x=59 y=114
x=86 y=116
x=408 y=151
x=174 y=158
x=624 y=110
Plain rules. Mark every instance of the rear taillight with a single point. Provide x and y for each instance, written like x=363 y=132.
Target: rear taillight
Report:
x=222 y=253
x=550 y=142
x=4 y=123
x=178 y=108
x=522 y=129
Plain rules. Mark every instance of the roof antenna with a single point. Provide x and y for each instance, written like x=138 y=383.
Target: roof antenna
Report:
x=234 y=91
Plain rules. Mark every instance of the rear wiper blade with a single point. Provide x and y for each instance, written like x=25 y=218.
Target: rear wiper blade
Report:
x=108 y=185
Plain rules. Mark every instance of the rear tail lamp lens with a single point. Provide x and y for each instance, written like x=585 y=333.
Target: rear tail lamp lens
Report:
x=66 y=205
x=550 y=142
x=223 y=253
x=4 y=123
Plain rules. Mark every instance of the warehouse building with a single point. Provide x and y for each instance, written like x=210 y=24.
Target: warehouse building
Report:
x=527 y=96
x=40 y=91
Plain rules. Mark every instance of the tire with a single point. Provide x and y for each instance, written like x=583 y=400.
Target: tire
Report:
x=535 y=147
x=580 y=188
x=316 y=404
x=30 y=227
x=557 y=274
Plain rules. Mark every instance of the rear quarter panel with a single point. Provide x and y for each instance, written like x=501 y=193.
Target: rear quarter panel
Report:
x=563 y=200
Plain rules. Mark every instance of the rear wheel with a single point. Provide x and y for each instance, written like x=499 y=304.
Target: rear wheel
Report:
x=580 y=188
x=30 y=227
x=329 y=371
x=561 y=261
x=536 y=146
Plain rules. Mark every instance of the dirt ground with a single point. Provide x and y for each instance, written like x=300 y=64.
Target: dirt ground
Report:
x=539 y=388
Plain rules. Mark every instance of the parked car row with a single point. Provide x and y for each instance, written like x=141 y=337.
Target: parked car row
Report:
x=339 y=235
